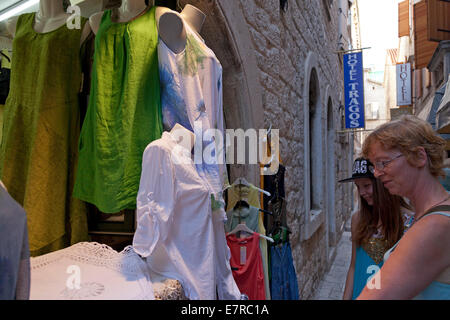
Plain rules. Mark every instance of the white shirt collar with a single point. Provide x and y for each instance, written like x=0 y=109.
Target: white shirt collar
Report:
x=179 y=148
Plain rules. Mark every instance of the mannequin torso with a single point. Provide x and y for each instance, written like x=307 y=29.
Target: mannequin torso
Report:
x=194 y=17
x=51 y=16
x=170 y=23
x=171 y=27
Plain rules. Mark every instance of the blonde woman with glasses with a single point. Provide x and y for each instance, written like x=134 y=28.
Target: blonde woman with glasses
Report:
x=408 y=159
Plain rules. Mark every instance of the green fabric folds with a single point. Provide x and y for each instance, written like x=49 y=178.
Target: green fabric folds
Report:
x=124 y=112
x=41 y=126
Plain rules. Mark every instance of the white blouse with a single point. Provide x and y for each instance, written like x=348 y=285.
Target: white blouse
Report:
x=177 y=231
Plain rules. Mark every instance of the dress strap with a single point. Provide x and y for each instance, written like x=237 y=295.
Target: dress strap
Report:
x=437 y=210
x=25 y=21
x=447 y=214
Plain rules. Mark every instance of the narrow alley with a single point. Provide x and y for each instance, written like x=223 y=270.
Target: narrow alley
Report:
x=333 y=283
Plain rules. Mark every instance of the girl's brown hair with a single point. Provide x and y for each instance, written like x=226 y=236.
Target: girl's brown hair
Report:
x=387 y=209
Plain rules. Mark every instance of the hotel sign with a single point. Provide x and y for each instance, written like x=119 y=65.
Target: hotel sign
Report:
x=354 y=90
x=404 y=84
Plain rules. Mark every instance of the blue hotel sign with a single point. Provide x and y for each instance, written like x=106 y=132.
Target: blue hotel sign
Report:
x=354 y=90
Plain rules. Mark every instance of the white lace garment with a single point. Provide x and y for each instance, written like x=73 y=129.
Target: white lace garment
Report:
x=94 y=271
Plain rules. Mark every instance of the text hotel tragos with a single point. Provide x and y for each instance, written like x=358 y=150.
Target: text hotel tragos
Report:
x=354 y=90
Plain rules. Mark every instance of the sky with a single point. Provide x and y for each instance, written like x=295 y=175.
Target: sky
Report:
x=379 y=30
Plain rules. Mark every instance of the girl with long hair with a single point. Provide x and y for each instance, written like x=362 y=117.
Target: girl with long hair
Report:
x=379 y=223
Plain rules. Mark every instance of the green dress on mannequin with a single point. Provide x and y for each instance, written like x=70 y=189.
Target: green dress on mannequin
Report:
x=41 y=126
x=124 y=112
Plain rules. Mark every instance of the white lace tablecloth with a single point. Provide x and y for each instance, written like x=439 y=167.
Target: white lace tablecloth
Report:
x=94 y=271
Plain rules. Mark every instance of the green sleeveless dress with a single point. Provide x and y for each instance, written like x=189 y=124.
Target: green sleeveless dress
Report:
x=41 y=126
x=124 y=112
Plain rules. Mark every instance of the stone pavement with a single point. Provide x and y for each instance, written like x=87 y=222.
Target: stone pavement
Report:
x=333 y=283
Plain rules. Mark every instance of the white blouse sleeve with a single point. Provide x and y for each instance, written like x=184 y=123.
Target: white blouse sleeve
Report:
x=155 y=200
x=220 y=123
x=213 y=98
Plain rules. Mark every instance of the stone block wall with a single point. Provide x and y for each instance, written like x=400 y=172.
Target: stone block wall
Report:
x=281 y=42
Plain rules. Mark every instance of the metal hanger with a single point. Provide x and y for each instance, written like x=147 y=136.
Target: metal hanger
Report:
x=243 y=227
x=244 y=182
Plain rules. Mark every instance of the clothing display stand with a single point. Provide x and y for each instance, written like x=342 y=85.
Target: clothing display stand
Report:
x=245 y=219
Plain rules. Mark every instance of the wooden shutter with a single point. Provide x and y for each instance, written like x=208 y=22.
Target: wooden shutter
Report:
x=403 y=18
x=438 y=20
x=418 y=83
x=423 y=49
x=427 y=78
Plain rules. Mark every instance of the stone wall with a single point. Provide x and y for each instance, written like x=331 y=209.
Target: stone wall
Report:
x=280 y=44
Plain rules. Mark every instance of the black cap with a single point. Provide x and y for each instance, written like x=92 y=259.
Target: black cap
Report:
x=362 y=168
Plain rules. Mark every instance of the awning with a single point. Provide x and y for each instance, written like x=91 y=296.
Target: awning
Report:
x=428 y=112
x=423 y=114
x=443 y=111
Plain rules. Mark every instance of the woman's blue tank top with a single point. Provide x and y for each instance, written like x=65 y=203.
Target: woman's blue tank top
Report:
x=436 y=290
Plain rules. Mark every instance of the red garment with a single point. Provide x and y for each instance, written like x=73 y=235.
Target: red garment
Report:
x=249 y=276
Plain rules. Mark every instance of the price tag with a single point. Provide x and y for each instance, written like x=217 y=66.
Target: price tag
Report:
x=243 y=259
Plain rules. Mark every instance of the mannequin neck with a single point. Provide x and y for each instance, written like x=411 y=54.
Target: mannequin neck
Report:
x=51 y=8
x=194 y=17
x=130 y=9
x=183 y=136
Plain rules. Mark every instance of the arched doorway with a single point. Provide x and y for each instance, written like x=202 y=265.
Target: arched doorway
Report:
x=313 y=146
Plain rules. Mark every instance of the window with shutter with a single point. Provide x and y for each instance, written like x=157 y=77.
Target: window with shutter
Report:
x=427 y=78
x=423 y=48
x=438 y=12
x=418 y=83
x=403 y=18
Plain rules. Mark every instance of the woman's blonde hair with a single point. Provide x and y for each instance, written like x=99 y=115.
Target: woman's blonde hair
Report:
x=407 y=134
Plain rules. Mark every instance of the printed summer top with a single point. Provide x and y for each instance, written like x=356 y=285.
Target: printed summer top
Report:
x=191 y=95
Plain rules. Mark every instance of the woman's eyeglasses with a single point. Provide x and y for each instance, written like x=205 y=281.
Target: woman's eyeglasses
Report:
x=380 y=165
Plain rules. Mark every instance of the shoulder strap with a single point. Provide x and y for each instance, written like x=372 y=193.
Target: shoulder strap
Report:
x=24 y=21
x=105 y=23
x=437 y=210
